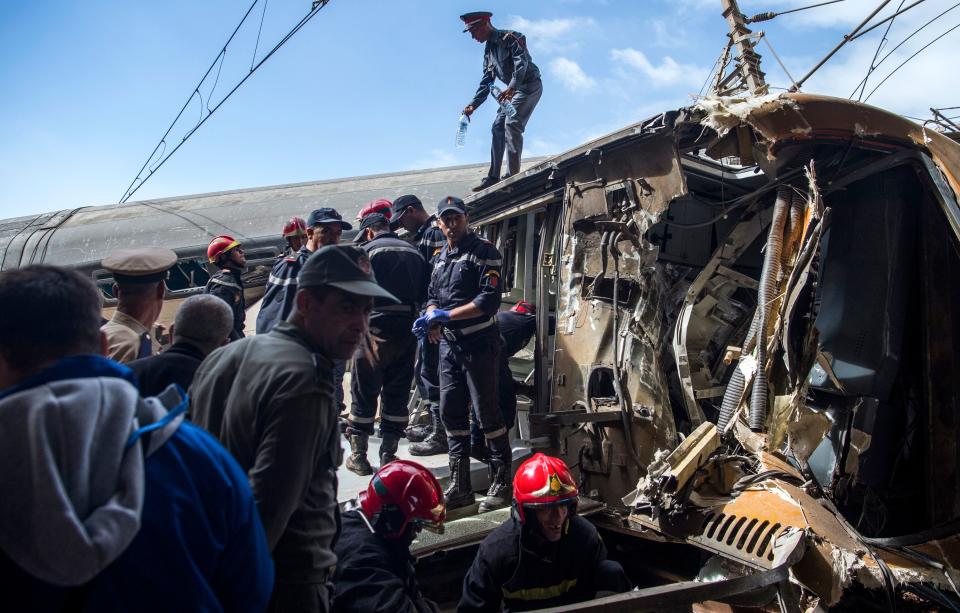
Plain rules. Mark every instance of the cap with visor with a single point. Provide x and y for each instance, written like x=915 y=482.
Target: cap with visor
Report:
x=327 y=215
x=344 y=267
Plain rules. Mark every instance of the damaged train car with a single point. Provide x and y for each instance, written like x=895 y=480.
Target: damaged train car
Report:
x=749 y=315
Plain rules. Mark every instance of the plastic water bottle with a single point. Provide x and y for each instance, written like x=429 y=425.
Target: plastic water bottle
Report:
x=462 y=130
x=507 y=106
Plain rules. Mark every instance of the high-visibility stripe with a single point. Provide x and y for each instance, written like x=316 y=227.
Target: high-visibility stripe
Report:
x=374 y=252
x=397 y=418
x=226 y=284
x=541 y=593
x=458 y=432
x=274 y=280
x=495 y=433
x=360 y=420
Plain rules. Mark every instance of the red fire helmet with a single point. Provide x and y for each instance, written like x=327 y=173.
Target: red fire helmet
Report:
x=295 y=227
x=541 y=481
x=408 y=490
x=380 y=205
x=220 y=245
x=525 y=307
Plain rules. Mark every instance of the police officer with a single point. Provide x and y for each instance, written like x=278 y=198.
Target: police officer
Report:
x=462 y=300
x=383 y=366
x=281 y=287
x=505 y=57
x=427 y=237
x=375 y=571
x=227 y=284
x=545 y=555
x=138 y=286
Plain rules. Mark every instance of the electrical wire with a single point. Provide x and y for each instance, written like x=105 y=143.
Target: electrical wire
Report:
x=873 y=64
x=918 y=52
x=134 y=185
x=770 y=14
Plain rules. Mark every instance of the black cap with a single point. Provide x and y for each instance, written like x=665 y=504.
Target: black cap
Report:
x=401 y=205
x=342 y=266
x=327 y=215
x=451 y=203
x=372 y=219
x=471 y=20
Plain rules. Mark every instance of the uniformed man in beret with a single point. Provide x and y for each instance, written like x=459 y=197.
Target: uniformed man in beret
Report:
x=138 y=286
x=505 y=57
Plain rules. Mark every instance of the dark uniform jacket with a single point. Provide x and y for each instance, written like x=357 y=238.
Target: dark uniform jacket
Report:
x=401 y=270
x=468 y=273
x=228 y=286
x=516 y=330
x=175 y=365
x=429 y=239
x=505 y=57
x=530 y=573
x=269 y=399
x=374 y=573
x=280 y=292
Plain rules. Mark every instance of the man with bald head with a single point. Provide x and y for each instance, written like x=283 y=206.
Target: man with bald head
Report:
x=202 y=324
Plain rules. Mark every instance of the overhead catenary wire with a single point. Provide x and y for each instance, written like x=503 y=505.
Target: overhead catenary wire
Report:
x=873 y=61
x=767 y=16
x=904 y=62
x=134 y=185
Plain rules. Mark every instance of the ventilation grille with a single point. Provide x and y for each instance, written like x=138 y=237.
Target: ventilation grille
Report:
x=749 y=539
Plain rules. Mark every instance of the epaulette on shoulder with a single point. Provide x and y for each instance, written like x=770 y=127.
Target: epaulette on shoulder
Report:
x=291 y=259
x=437 y=250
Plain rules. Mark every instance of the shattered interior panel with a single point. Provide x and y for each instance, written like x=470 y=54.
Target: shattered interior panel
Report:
x=755 y=342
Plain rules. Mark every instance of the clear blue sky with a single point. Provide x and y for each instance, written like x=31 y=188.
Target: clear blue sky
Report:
x=373 y=86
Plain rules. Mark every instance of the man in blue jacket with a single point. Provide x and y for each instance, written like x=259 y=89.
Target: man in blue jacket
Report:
x=109 y=501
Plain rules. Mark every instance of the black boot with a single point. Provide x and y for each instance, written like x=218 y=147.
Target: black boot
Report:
x=459 y=493
x=479 y=452
x=357 y=460
x=416 y=434
x=501 y=474
x=487 y=182
x=388 y=448
x=436 y=443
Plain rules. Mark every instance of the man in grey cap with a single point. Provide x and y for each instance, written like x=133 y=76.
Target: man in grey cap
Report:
x=269 y=399
x=138 y=286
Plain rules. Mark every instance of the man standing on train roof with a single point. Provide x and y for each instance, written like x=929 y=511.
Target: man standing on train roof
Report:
x=462 y=302
x=545 y=555
x=227 y=284
x=505 y=57
x=427 y=237
x=269 y=399
x=138 y=286
x=382 y=367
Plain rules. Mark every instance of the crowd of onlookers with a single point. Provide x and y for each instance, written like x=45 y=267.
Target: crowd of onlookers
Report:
x=124 y=492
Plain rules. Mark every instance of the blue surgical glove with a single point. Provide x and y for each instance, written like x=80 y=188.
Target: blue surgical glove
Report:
x=423 y=324
x=420 y=327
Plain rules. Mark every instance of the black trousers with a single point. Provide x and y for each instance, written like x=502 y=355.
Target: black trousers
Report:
x=506 y=401
x=428 y=371
x=387 y=378
x=468 y=374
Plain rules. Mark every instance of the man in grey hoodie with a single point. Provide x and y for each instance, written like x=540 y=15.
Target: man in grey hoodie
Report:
x=109 y=501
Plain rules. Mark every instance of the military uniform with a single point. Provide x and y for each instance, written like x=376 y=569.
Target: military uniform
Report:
x=128 y=338
x=227 y=285
x=279 y=297
x=429 y=240
x=519 y=571
x=506 y=57
x=384 y=369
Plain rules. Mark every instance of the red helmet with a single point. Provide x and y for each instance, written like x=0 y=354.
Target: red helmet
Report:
x=295 y=227
x=400 y=493
x=525 y=307
x=220 y=245
x=380 y=205
x=541 y=481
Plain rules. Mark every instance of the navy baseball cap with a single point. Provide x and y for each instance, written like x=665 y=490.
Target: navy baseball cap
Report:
x=327 y=215
x=401 y=205
x=372 y=219
x=344 y=267
x=451 y=203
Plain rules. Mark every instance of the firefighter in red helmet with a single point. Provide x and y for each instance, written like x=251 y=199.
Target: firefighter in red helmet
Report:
x=295 y=233
x=545 y=555
x=375 y=571
x=227 y=284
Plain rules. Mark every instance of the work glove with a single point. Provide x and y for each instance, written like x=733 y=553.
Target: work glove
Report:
x=425 y=322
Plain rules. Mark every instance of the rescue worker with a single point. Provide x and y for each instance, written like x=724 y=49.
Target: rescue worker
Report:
x=380 y=205
x=517 y=326
x=203 y=323
x=375 y=571
x=427 y=237
x=226 y=284
x=463 y=299
x=505 y=57
x=279 y=292
x=269 y=399
x=138 y=286
x=545 y=555
x=109 y=501
x=382 y=368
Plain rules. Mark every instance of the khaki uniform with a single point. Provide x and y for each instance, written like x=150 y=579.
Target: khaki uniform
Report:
x=124 y=336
